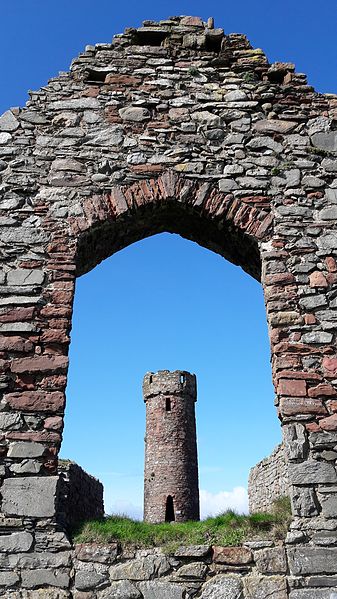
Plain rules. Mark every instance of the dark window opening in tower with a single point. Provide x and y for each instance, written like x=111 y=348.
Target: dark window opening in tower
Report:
x=168 y=404
x=182 y=378
x=169 y=512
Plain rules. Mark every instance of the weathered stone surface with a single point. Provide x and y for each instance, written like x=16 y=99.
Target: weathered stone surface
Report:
x=165 y=590
x=264 y=588
x=192 y=571
x=312 y=560
x=134 y=114
x=326 y=141
x=206 y=118
x=141 y=569
x=40 y=560
x=8 y=579
x=8 y=122
x=232 y=555
x=312 y=473
x=222 y=586
x=122 y=589
x=193 y=551
x=16 y=542
x=313 y=594
x=32 y=579
x=93 y=552
x=29 y=496
x=90 y=579
x=271 y=560
x=26 y=450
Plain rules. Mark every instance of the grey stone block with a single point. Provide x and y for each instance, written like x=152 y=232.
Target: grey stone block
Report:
x=16 y=542
x=8 y=122
x=41 y=560
x=312 y=560
x=313 y=594
x=326 y=141
x=8 y=579
x=29 y=496
x=265 y=587
x=122 y=589
x=26 y=450
x=222 y=586
x=87 y=580
x=308 y=473
x=133 y=113
x=32 y=579
x=25 y=276
x=164 y=590
x=144 y=568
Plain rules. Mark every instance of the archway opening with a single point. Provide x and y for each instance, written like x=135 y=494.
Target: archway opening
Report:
x=194 y=311
x=169 y=510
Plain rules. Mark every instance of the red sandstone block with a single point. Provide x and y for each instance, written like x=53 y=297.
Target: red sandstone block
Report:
x=91 y=92
x=54 y=382
x=293 y=374
x=280 y=278
x=232 y=555
x=310 y=319
x=330 y=366
x=36 y=401
x=15 y=344
x=291 y=406
x=312 y=427
x=56 y=311
x=37 y=436
x=122 y=79
x=323 y=390
x=331 y=264
x=53 y=423
x=40 y=364
x=331 y=404
x=147 y=168
x=55 y=336
x=292 y=387
x=329 y=423
x=17 y=315
x=317 y=279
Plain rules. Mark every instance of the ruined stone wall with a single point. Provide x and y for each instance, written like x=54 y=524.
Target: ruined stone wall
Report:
x=268 y=481
x=179 y=127
x=171 y=460
x=80 y=496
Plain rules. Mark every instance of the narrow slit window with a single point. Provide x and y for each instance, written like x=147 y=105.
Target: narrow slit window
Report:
x=168 y=404
x=182 y=378
x=169 y=512
x=150 y=381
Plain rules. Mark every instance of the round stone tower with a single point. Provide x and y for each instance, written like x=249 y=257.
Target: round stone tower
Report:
x=171 y=488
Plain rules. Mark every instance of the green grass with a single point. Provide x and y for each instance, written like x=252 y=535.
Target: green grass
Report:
x=226 y=529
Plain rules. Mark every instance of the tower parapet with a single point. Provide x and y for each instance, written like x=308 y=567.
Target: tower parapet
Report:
x=171 y=488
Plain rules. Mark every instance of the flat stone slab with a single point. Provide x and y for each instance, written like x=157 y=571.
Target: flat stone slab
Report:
x=29 y=496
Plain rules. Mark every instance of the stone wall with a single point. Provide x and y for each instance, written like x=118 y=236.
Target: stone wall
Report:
x=80 y=495
x=268 y=481
x=178 y=127
x=259 y=569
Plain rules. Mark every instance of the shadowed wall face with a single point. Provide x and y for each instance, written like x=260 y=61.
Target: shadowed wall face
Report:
x=171 y=490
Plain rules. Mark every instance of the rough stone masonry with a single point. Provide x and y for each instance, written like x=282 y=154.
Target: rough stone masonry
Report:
x=179 y=127
x=171 y=486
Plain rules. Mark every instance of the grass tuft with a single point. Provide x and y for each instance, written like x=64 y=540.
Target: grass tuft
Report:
x=227 y=529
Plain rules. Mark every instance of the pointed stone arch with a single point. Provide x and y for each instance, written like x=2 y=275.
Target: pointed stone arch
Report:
x=178 y=127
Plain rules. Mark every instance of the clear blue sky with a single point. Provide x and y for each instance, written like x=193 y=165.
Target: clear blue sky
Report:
x=165 y=302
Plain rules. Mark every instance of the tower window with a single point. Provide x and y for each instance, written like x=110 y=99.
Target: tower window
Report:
x=182 y=378
x=169 y=512
x=168 y=404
